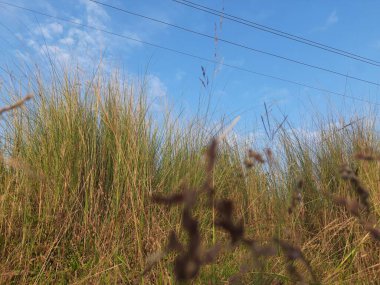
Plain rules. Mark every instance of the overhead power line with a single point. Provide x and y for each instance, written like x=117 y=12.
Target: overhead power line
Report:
x=189 y=54
x=237 y=44
x=277 y=32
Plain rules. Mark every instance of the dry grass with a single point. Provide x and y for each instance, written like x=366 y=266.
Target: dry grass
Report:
x=93 y=190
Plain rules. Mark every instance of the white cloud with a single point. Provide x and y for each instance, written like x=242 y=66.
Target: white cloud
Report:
x=23 y=56
x=156 y=88
x=32 y=43
x=60 y=54
x=70 y=45
x=96 y=15
x=19 y=36
x=133 y=35
x=67 y=41
x=50 y=30
x=179 y=75
x=331 y=20
x=376 y=44
x=274 y=95
x=156 y=92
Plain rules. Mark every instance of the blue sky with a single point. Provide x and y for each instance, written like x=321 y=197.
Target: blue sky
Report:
x=174 y=78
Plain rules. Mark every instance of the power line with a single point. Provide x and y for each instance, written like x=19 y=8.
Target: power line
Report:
x=237 y=44
x=189 y=54
x=277 y=32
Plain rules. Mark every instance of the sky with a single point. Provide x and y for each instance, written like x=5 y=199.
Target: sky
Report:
x=208 y=67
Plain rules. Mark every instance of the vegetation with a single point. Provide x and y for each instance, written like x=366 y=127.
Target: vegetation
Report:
x=84 y=170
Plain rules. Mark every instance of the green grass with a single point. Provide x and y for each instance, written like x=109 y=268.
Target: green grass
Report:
x=79 y=169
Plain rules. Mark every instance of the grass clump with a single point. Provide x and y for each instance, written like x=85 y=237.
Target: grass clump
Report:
x=83 y=168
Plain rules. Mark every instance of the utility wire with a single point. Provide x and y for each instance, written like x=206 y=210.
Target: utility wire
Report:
x=189 y=54
x=277 y=32
x=236 y=44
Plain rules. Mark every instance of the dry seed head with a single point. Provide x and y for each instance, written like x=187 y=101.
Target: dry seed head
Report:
x=256 y=156
x=300 y=184
x=16 y=105
x=269 y=154
x=209 y=256
x=368 y=154
x=352 y=206
x=346 y=172
x=296 y=197
x=361 y=191
x=152 y=260
x=375 y=232
x=367 y=157
x=248 y=163
x=225 y=208
x=236 y=231
x=171 y=200
x=266 y=250
x=293 y=253
x=211 y=155
x=186 y=267
x=173 y=243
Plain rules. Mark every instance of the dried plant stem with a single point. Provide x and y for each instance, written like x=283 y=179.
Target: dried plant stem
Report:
x=16 y=105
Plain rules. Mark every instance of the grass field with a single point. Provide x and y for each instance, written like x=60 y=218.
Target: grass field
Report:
x=85 y=171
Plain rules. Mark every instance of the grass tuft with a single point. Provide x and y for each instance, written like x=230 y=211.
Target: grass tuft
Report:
x=94 y=189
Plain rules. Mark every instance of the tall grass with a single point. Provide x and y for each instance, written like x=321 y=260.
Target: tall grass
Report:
x=81 y=162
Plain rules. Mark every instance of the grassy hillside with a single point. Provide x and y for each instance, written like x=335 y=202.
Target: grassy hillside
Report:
x=80 y=166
